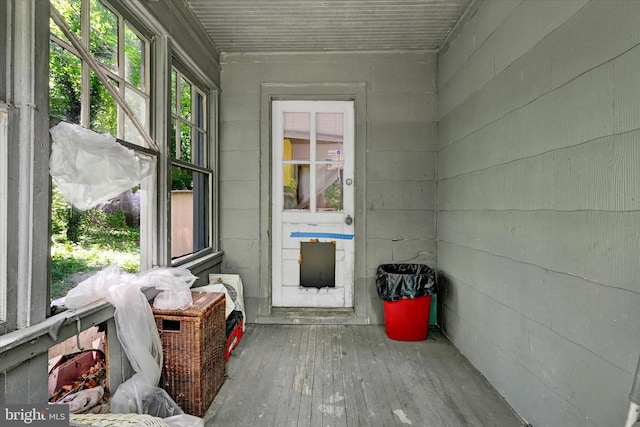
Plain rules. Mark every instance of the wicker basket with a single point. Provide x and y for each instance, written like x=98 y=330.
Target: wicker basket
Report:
x=193 y=343
x=116 y=420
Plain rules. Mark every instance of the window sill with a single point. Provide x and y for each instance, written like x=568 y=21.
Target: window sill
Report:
x=203 y=263
x=23 y=344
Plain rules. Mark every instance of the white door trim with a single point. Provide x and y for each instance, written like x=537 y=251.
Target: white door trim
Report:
x=289 y=227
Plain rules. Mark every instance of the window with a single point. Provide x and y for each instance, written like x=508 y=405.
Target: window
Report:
x=191 y=173
x=76 y=93
x=87 y=241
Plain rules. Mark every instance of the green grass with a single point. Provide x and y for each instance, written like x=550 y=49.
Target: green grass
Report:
x=101 y=239
x=68 y=260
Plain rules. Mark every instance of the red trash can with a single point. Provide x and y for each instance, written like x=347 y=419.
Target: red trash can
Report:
x=407 y=319
x=406 y=290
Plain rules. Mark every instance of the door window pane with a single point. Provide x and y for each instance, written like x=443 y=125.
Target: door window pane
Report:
x=329 y=136
x=297 y=134
x=296 y=186
x=329 y=187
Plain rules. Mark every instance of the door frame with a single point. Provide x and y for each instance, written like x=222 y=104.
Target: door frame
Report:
x=355 y=92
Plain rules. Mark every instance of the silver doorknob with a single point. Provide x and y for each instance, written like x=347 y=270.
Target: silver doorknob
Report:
x=348 y=220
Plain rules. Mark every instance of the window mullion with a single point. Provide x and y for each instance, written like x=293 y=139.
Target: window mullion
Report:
x=85 y=83
x=312 y=166
x=121 y=77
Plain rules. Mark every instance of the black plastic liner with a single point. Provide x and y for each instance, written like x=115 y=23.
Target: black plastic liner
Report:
x=398 y=281
x=232 y=321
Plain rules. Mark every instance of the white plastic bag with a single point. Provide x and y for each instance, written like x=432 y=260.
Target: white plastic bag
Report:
x=96 y=287
x=173 y=284
x=137 y=331
x=139 y=397
x=90 y=168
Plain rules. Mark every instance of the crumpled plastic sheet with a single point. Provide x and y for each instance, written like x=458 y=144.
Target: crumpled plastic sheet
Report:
x=91 y=168
x=139 y=335
x=174 y=285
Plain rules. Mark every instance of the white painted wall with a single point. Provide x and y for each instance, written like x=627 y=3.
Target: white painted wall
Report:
x=538 y=203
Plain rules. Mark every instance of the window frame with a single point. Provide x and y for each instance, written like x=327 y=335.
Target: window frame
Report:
x=4 y=196
x=208 y=168
x=148 y=243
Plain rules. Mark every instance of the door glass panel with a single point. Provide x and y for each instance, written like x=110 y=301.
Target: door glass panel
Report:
x=297 y=186
x=329 y=187
x=329 y=136
x=297 y=136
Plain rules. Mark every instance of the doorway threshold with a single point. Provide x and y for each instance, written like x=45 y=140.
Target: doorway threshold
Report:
x=312 y=316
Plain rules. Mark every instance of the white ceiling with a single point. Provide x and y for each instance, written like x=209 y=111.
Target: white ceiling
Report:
x=238 y=26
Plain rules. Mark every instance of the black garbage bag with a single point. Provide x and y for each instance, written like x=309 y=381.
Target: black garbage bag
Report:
x=397 y=281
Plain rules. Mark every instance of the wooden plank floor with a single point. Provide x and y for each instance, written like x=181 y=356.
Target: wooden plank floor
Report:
x=333 y=375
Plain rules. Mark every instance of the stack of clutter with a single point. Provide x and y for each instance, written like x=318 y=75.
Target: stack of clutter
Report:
x=231 y=286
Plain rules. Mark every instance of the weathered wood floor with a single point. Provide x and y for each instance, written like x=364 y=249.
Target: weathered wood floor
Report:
x=328 y=375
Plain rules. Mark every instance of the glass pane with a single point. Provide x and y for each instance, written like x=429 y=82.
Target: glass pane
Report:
x=296 y=186
x=133 y=58
x=139 y=106
x=103 y=112
x=70 y=11
x=329 y=136
x=64 y=84
x=189 y=211
x=174 y=90
x=104 y=35
x=185 y=142
x=329 y=187
x=199 y=113
x=185 y=99
x=84 y=242
x=172 y=148
x=198 y=148
x=297 y=136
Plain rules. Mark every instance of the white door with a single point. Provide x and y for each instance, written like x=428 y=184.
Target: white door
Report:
x=312 y=203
